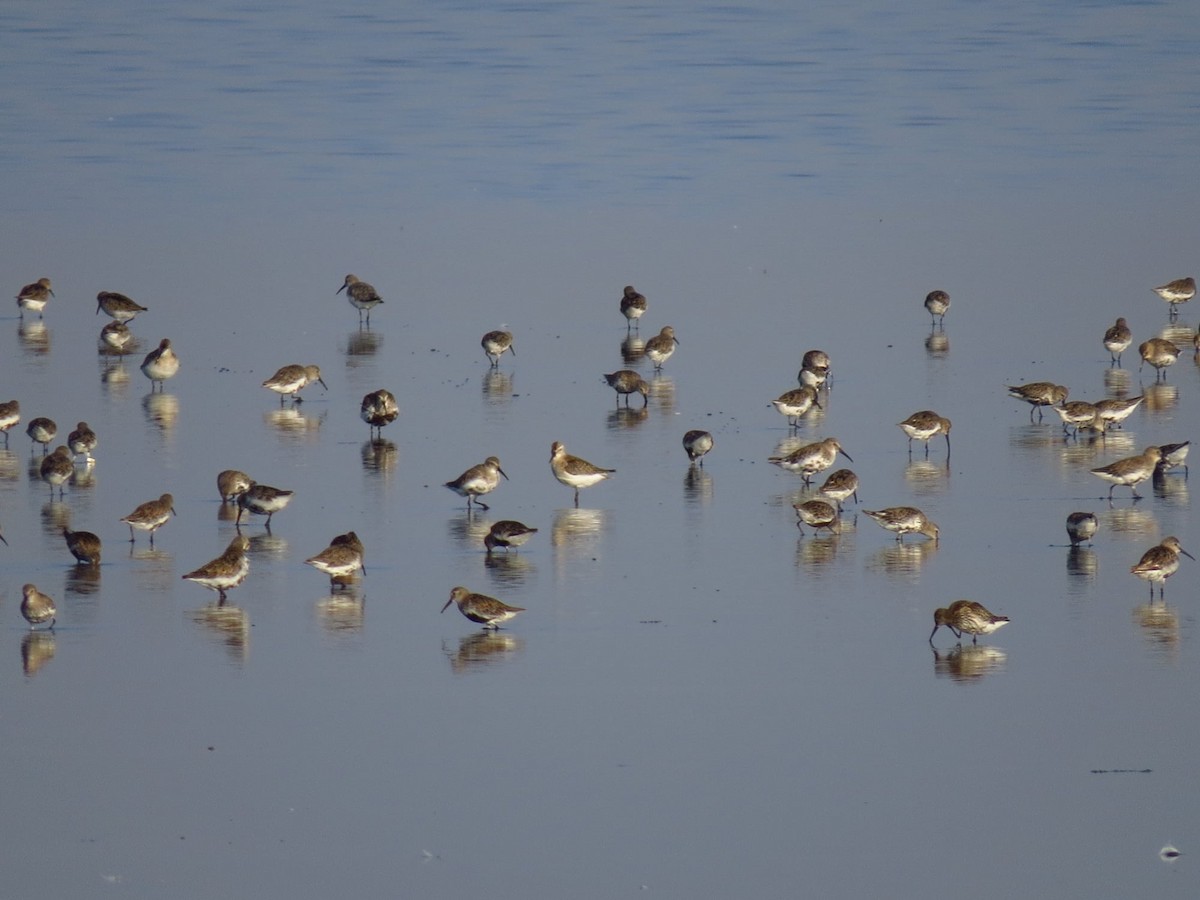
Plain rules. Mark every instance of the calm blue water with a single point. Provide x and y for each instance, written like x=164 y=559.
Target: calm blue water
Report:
x=698 y=701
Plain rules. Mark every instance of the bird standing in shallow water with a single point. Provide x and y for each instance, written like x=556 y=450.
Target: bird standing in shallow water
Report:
x=292 y=379
x=231 y=484
x=626 y=382
x=924 y=425
x=379 y=408
x=660 y=347
x=796 y=402
x=225 y=572
x=34 y=297
x=1130 y=471
x=495 y=344
x=150 y=516
x=817 y=514
x=904 y=520
x=633 y=306
x=969 y=617
x=1181 y=290
x=361 y=295
x=697 y=443
x=84 y=546
x=575 y=472
x=841 y=484
x=1160 y=353
x=811 y=458
x=117 y=306
x=478 y=480
x=1160 y=563
x=262 y=500
x=1081 y=526
x=41 y=431
x=37 y=607
x=160 y=364
x=937 y=302
x=1117 y=340
x=340 y=560
x=82 y=441
x=10 y=415
x=481 y=608
x=507 y=533
x=1038 y=394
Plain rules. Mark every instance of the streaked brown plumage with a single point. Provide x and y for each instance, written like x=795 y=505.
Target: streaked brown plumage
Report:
x=340 y=560
x=225 y=572
x=82 y=441
x=904 y=520
x=379 y=408
x=633 y=306
x=924 y=425
x=1181 y=290
x=290 y=380
x=1117 y=339
x=10 y=415
x=626 y=382
x=796 y=402
x=262 y=500
x=573 y=471
x=1075 y=415
x=481 y=608
x=1038 y=394
x=41 y=431
x=57 y=468
x=967 y=616
x=495 y=344
x=1160 y=353
x=817 y=514
x=231 y=484
x=117 y=306
x=160 y=364
x=507 y=533
x=697 y=443
x=841 y=484
x=811 y=458
x=84 y=545
x=478 y=480
x=150 y=516
x=37 y=607
x=1130 y=471
x=1160 y=563
x=33 y=297
x=937 y=302
x=1081 y=526
x=660 y=347
x=361 y=295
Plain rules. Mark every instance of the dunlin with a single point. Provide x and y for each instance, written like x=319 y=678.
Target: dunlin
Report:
x=41 y=431
x=82 y=441
x=1082 y=526
x=969 y=617
x=477 y=481
x=57 y=469
x=495 y=343
x=575 y=472
x=1075 y=415
x=1160 y=353
x=937 y=302
x=150 y=516
x=36 y=607
x=1160 y=563
x=340 y=560
x=34 y=297
x=488 y=611
x=811 y=458
x=626 y=382
x=1113 y=411
x=1130 y=471
x=225 y=572
x=1117 y=339
x=841 y=484
x=696 y=443
x=117 y=306
x=815 y=359
x=160 y=364
x=1038 y=394
x=231 y=484
x=84 y=546
x=290 y=380
x=262 y=500
x=904 y=520
x=796 y=402
x=924 y=425
x=116 y=336
x=379 y=408
x=817 y=514
x=660 y=347
x=633 y=306
x=507 y=533
x=1181 y=290
x=1174 y=455
x=361 y=296
x=812 y=376
x=10 y=415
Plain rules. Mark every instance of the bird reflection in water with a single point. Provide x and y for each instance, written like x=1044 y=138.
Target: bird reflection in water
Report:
x=509 y=569
x=633 y=348
x=115 y=380
x=342 y=613
x=697 y=486
x=1161 y=397
x=267 y=545
x=55 y=515
x=37 y=649
x=481 y=649
x=968 y=663
x=937 y=345
x=576 y=526
x=467 y=529
x=360 y=344
x=927 y=476
x=1116 y=383
x=229 y=624
x=1160 y=627
x=292 y=424
x=34 y=337
x=379 y=457
x=815 y=553
x=1128 y=520
x=902 y=558
x=627 y=417
x=1081 y=565
x=10 y=466
x=497 y=388
x=162 y=411
x=662 y=393
x=82 y=579
x=1173 y=490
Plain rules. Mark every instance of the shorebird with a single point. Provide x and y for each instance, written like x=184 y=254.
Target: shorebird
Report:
x=117 y=306
x=904 y=520
x=1075 y=415
x=811 y=458
x=1160 y=563
x=262 y=500
x=575 y=472
x=57 y=469
x=150 y=516
x=660 y=347
x=10 y=415
x=969 y=617
x=1181 y=290
x=626 y=382
x=34 y=297
x=1160 y=353
x=82 y=441
x=36 y=607
x=814 y=368
x=1130 y=471
x=84 y=546
x=361 y=296
x=116 y=336
x=340 y=560
x=379 y=408
x=841 y=484
x=924 y=425
x=697 y=443
x=633 y=306
x=232 y=484
x=488 y=611
x=160 y=364
x=1114 y=411
x=225 y=572
x=937 y=302
x=1117 y=339
x=796 y=402
x=1038 y=394
x=477 y=481
x=1173 y=455
x=495 y=343
x=292 y=379
x=507 y=533
x=41 y=431
x=817 y=514
x=1082 y=526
